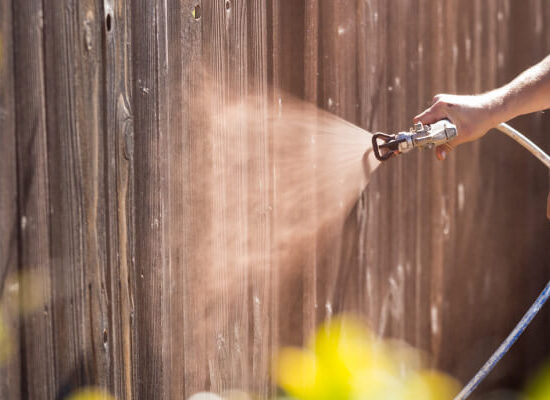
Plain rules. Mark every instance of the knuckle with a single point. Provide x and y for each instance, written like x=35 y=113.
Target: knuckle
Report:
x=438 y=106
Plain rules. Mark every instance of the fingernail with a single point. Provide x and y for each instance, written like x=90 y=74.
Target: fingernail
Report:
x=443 y=154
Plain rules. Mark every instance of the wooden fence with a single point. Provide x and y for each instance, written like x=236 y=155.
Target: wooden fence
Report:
x=103 y=193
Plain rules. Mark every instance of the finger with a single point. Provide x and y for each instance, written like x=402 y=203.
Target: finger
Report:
x=442 y=151
x=433 y=114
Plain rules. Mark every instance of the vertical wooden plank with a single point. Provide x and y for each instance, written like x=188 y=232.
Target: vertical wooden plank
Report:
x=288 y=77
x=273 y=80
x=415 y=247
x=10 y=362
x=337 y=67
x=196 y=201
x=311 y=299
x=381 y=184
x=74 y=88
x=224 y=33
x=434 y=188
x=421 y=252
x=148 y=64
x=534 y=191
x=447 y=228
x=372 y=92
x=458 y=279
x=119 y=181
x=180 y=49
x=260 y=192
x=166 y=75
x=234 y=150
x=397 y=19
x=32 y=155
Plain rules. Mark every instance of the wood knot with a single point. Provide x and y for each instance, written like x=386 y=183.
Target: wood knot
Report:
x=125 y=125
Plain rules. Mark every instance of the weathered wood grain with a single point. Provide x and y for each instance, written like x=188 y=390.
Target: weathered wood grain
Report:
x=148 y=69
x=261 y=307
x=118 y=136
x=33 y=198
x=129 y=189
x=191 y=146
x=10 y=360
x=74 y=122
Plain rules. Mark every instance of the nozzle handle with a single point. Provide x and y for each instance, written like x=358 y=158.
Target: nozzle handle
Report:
x=376 y=146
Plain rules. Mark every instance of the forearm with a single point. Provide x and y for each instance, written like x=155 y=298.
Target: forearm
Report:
x=527 y=93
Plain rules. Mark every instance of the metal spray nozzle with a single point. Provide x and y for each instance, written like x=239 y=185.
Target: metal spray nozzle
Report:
x=419 y=136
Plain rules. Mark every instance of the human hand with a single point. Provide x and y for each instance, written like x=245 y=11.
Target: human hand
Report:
x=472 y=115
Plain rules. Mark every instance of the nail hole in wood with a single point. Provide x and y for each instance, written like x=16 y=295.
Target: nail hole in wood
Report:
x=227 y=5
x=105 y=336
x=197 y=12
x=108 y=22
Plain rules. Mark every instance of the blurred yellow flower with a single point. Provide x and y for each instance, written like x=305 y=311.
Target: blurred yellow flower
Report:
x=431 y=385
x=90 y=394
x=539 y=387
x=345 y=360
x=297 y=372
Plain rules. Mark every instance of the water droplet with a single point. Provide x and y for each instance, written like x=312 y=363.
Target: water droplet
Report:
x=434 y=320
x=445 y=219
x=461 y=196
x=539 y=24
x=468 y=45
x=14 y=287
x=328 y=307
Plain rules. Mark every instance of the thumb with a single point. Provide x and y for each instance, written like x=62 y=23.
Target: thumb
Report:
x=441 y=152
